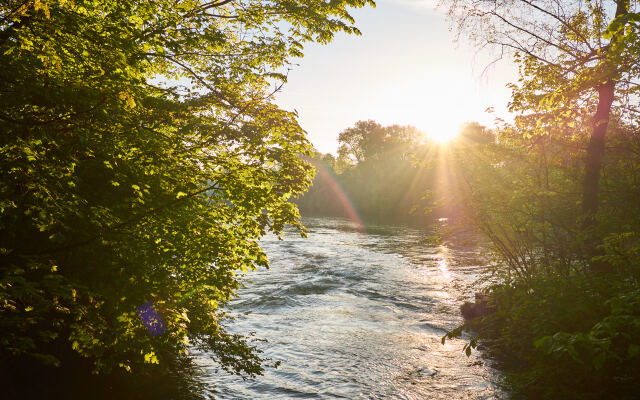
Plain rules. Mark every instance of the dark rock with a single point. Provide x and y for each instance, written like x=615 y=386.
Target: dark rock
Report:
x=483 y=306
x=468 y=310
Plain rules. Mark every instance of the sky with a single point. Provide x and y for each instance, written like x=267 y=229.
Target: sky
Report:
x=405 y=69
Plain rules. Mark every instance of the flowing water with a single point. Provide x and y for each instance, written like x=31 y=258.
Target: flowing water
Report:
x=358 y=316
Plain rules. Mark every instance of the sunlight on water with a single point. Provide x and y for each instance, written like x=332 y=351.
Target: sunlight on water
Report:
x=357 y=316
x=443 y=266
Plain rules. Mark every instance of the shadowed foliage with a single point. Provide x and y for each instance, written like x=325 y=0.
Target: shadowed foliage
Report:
x=141 y=160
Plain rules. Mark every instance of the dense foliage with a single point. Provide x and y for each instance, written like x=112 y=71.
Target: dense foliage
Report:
x=375 y=176
x=559 y=329
x=391 y=174
x=556 y=197
x=129 y=204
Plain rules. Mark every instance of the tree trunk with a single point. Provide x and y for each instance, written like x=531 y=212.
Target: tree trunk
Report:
x=593 y=166
x=594 y=158
x=595 y=153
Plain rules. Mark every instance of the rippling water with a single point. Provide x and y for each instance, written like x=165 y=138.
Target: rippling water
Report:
x=358 y=316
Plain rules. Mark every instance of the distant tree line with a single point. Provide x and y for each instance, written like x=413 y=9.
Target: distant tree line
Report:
x=385 y=174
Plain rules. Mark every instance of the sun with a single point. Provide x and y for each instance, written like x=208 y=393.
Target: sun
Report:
x=442 y=134
x=442 y=131
x=437 y=105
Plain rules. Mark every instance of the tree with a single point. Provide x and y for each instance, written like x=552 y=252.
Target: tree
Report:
x=474 y=132
x=128 y=204
x=553 y=208
x=572 y=55
x=352 y=138
x=368 y=140
x=374 y=177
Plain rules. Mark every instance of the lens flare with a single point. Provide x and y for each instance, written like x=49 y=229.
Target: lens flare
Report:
x=342 y=197
x=151 y=319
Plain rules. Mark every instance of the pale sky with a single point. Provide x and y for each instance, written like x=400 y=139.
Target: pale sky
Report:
x=404 y=69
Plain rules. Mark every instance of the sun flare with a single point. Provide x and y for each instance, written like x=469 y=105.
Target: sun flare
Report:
x=443 y=133
x=438 y=106
x=443 y=128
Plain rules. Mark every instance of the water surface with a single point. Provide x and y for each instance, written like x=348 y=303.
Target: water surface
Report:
x=358 y=316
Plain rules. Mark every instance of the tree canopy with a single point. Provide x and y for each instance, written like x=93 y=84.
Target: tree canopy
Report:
x=574 y=56
x=386 y=173
x=368 y=140
x=141 y=161
x=555 y=195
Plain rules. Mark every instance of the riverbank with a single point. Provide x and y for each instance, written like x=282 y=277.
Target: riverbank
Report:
x=27 y=379
x=552 y=340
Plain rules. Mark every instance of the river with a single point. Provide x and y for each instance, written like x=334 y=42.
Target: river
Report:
x=355 y=315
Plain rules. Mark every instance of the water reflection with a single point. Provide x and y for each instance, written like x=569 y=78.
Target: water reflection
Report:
x=358 y=316
x=443 y=266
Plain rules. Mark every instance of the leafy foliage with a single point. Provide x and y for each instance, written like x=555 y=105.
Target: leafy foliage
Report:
x=119 y=188
x=557 y=202
x=560 y=329
x=375 y=172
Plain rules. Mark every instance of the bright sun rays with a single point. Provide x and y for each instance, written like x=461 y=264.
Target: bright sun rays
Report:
x=438 y=106
x=443 y=132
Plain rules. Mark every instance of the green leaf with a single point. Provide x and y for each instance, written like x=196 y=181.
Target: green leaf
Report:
x=633 y=350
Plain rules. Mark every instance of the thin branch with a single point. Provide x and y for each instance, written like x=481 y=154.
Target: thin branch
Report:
x=562 y=21
x=533 y=35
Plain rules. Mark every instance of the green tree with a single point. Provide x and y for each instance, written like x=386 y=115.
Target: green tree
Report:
x=130 y=201
x=474 y=132
x=374 y=175
x=555 y=203
x=573 y=55
x=368 y=140
x=558 y=330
